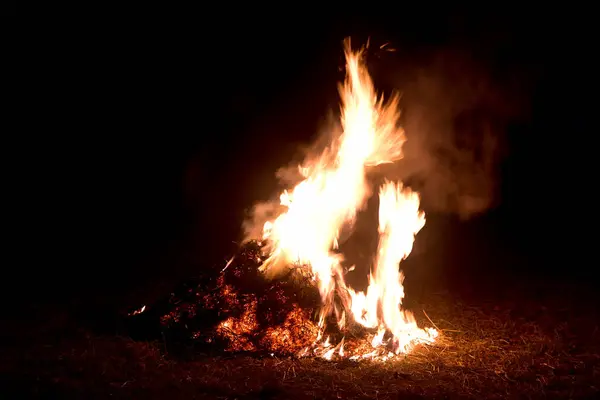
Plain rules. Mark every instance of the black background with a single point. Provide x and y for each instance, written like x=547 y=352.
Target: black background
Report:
x=159 y=133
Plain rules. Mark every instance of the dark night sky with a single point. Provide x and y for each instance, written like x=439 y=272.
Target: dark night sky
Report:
x=164 y=125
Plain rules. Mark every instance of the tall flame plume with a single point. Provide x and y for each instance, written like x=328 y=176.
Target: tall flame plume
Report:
x=333 y=189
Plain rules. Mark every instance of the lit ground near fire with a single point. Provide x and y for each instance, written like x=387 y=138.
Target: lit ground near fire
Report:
x=535 y=343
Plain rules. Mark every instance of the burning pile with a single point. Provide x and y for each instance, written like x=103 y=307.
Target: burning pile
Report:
x=294 y=247
x=242 y=311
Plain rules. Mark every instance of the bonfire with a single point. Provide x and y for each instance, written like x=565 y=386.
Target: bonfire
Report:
x=286 y=291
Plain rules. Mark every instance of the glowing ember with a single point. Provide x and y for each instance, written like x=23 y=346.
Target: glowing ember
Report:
x=333 y=190
x=138 y=311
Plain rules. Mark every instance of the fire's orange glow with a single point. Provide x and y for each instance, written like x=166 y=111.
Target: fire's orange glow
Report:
x=334 y=188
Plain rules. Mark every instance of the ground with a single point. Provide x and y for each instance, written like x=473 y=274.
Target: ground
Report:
x=529 y=342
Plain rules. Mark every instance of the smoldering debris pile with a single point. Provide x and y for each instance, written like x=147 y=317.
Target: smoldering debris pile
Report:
x=235 y=309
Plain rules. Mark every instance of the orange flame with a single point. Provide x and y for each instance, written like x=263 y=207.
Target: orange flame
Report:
x=334 y=188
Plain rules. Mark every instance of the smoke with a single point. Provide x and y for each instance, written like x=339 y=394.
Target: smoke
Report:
x=456 y=109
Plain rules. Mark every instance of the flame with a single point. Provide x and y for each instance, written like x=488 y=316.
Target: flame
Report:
x=399 y=221
x=138 y=311
x=334 y=188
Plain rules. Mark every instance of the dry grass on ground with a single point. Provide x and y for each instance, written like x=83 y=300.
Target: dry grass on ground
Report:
x=500 y=350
